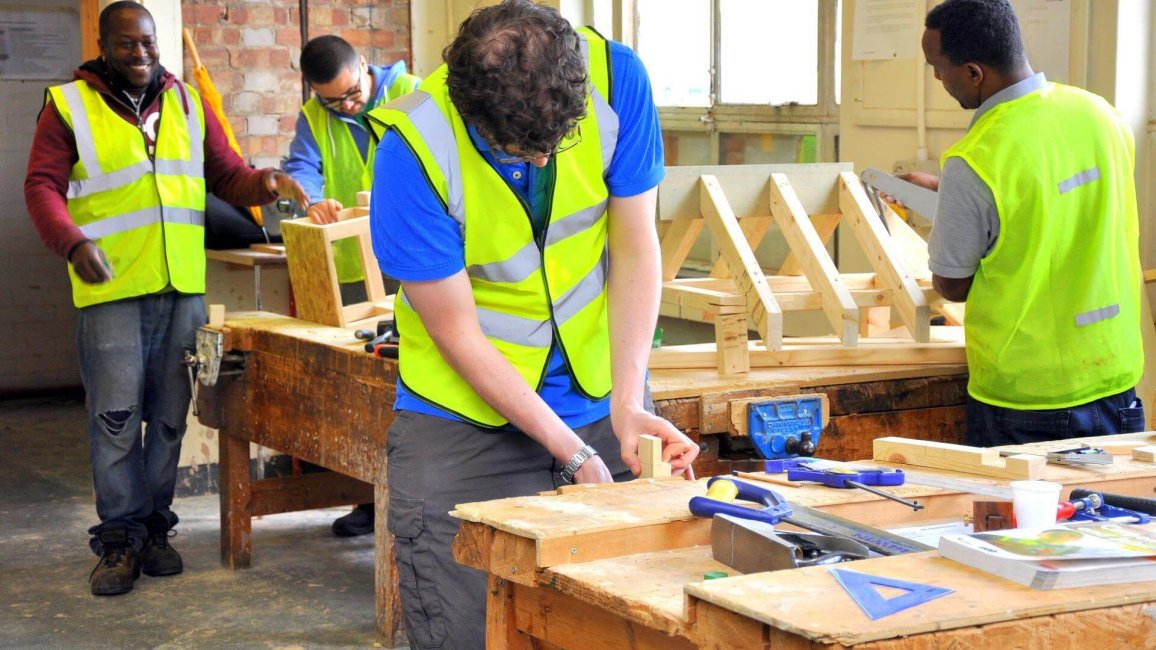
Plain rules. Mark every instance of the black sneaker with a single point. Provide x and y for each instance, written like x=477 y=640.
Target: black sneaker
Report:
x=118 y=566
x=157 y=558
x=358 y=522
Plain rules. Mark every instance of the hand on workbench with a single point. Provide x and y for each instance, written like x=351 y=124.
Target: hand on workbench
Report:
x=677 y=449
x=90 y=263
x=324 y=211
x=593 y=471
x=283 y=185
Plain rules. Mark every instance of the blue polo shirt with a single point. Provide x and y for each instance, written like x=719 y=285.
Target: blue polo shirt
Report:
x=416 y=240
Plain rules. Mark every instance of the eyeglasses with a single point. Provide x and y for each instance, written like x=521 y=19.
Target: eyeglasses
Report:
x=568 y=142
x=352 y=95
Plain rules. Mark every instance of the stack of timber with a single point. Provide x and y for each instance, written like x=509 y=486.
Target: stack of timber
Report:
x=738 y=204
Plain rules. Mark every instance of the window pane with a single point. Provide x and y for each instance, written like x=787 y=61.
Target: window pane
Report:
x=684 y=148
x=769 y=52
x=674 y=43
x=763 y=148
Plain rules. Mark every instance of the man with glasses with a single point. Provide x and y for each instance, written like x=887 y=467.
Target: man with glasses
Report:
x=332 y=157
x=521 y=225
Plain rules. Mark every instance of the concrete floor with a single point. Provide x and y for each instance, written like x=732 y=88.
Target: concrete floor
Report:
x=306 y=588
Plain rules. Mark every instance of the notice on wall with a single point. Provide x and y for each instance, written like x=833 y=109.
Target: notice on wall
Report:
x=1046 y=26
x=887 y=29
x=39 y=43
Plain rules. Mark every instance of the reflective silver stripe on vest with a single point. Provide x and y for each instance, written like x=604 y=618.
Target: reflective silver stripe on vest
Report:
x=85 y=147
x=196 y=138
x=1083 y=178
x=1097 y=315
x=607 y=128
x=577 y=222
x=585 y=292
x=438 y=135
x=140 y=218
x=527 y=260
x=115 y=180
x=513 y=329
x=516 y=268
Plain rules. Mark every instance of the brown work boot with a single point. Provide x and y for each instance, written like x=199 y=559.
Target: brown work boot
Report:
x=118 y=566
x=157 y=558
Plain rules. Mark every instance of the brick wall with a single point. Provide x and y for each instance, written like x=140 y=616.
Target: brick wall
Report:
x=251 y=50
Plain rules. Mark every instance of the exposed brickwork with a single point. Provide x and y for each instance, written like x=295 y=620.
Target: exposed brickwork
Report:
x=251 y=49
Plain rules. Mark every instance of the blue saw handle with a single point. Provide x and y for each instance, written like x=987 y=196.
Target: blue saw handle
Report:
x=776 y=507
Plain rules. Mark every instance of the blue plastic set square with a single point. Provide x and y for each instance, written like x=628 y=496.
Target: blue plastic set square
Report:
x=862 y=589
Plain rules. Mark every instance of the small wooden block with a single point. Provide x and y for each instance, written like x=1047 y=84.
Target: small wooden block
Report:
x=959 y=458
x=1115 y=447
x=216 y=316
x=649 y=450
x=345 y=214
x=363 y=199
x=991 y=515
x=1147 y=453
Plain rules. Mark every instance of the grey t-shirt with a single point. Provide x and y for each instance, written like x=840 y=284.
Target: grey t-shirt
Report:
x=966 y=221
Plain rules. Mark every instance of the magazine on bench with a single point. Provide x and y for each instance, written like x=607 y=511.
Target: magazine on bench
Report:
x=1055 y=557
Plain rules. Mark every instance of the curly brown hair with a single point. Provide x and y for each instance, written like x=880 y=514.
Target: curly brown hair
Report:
x=517 y=75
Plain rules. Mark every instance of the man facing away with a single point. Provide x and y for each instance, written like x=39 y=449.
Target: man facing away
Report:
x=520 y=221
x=332 y=158
x=117 y=175
x=1037 y=230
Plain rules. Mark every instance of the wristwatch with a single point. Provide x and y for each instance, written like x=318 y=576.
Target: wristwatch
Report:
x=581 y=456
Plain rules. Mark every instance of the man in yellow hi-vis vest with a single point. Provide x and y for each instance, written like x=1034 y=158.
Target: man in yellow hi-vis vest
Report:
x=332 y=157
x=1037 y=230
x=332 y=153
x=520 y=222
x=116 y=183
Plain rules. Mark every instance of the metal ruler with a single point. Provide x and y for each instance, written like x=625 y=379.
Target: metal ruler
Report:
x=876 y=539
x=959 y=485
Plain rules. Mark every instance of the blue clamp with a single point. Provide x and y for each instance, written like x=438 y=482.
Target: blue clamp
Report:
x=782 y=428
x=776 y=507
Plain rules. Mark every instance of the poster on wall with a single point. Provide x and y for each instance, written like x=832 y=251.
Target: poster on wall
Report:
x=38 y=43
x=887 y=29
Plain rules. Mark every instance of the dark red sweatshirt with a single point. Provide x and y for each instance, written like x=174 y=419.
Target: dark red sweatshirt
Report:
x=54 y=153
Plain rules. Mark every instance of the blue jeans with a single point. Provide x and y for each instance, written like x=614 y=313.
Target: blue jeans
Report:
x=130 y=363
x=991 y=426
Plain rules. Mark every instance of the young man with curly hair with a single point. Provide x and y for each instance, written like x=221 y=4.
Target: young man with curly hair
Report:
x=1037 y=230
x=521 y=226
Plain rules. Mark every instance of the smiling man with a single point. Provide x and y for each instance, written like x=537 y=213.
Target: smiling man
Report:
x=116 y=183
x=1037 y=230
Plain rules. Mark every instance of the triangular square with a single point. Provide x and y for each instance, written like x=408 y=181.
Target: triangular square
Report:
x=862 y=589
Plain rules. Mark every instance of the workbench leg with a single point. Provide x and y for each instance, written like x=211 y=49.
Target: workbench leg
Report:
x=236 y=513
x=390 y=631
x=501 y=632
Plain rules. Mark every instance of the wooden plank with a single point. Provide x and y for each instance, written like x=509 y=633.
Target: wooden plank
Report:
x=746 y=187
x=960 y=458
x=236 y=518
x=730 y=335
x=807 y=246
x=307 y=492
x=825 y=226
x=762 y=310
x=501 y=631
x=676 y=243
x=906 y=297
x=754 y=229
x=800 y=602
x=387 y=604
x=812 y=352
x=312 y=272
x=567 y=622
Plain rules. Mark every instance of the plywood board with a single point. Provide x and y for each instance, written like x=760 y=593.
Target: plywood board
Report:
x=959 y=458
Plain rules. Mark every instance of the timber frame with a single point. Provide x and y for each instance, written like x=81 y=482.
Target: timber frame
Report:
x=738 y=204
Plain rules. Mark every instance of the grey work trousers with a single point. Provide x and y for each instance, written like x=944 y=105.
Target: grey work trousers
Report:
x=435 y=464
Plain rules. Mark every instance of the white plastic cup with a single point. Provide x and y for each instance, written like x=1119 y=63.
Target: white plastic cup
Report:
x=1034 y=503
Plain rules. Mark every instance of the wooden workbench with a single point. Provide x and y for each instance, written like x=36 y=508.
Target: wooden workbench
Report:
x=312 y=392
x=621 y=566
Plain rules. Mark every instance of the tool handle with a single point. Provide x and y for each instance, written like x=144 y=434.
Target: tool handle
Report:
x=830 y=479
x=882 y=477
x=1139 y=504
x=707 y=507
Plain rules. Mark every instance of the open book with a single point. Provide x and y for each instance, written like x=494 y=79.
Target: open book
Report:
x=1095 y=553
